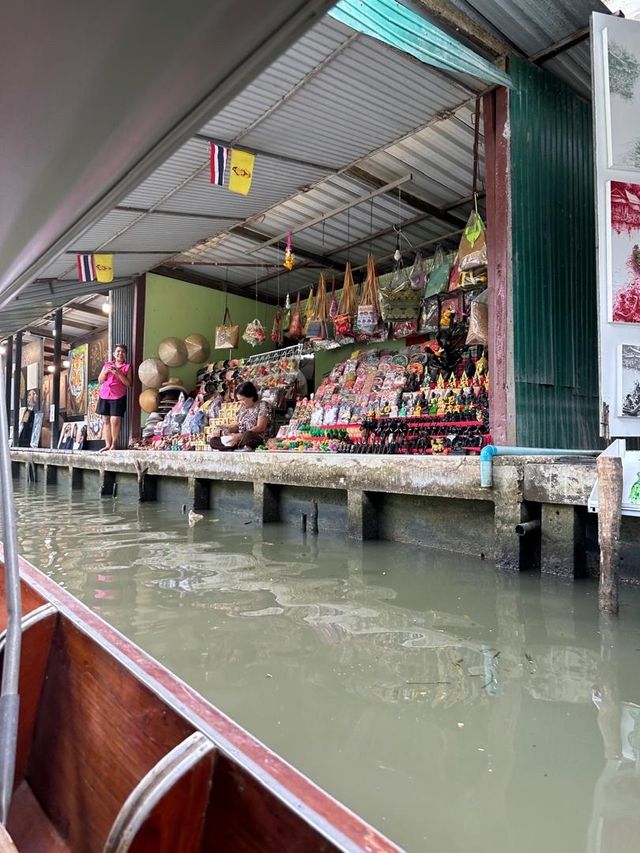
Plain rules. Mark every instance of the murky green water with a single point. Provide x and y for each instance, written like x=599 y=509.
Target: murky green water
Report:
x=455 y=708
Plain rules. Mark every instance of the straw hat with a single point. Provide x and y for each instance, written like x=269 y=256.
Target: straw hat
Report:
x=197 y=348
x=173 y=351
x=149 y=400
x=153 y=372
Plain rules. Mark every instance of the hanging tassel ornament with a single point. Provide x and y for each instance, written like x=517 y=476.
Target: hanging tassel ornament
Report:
x=289 y=258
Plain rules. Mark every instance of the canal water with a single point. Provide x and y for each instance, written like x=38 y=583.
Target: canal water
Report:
x=455 y=708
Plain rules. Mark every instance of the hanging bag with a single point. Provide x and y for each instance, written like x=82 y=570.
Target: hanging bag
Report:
x=254 y=334
x=398 y=299
x=418 y=274
x=369 y=307
x=286 y=317
x=276 y=330
x=227 y=335
x=347 y=306
x=295 y=326
x=333 y=302
x=438 y=280
x=473 y=245
x=318 y=327
x=309 y=312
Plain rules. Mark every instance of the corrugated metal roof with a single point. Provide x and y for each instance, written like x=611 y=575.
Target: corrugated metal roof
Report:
x=335 y=98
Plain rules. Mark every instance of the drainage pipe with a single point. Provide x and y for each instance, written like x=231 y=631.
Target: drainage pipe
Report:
x=487 y=453
x=527 y=527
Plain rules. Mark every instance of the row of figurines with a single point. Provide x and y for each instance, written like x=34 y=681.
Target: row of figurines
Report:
x=439 y=402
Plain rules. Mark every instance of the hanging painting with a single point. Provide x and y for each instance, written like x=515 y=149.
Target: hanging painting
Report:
x=36 y=432
x=98 y=354
x=77 y=380
x=629 y=373
x=94 y=420
x=625 y=251
x=623 y=66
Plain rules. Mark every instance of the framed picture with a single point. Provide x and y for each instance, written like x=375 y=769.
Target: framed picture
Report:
x=94 y=420
x=77 y=380
x=36 y=432
x=98 y=354
x=625 y=252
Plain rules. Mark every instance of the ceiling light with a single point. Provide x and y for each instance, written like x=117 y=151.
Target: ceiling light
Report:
x=106 y=307
x=51 y=368
x=55 y=332
x=66 y=362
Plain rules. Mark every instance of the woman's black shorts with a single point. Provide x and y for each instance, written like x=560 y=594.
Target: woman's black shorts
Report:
x=112 y=408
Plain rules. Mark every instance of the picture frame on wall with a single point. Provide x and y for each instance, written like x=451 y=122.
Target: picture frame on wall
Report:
x=36 y=432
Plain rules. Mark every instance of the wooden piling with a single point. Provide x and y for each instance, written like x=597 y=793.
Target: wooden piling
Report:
x=610 y=478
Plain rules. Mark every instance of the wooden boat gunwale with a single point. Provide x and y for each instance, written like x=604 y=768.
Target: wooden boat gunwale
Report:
x=334 y=821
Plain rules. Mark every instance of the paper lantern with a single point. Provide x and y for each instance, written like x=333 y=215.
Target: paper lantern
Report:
x=153 y=372
x=149 y=400
x=197 y=348
x=173 y=351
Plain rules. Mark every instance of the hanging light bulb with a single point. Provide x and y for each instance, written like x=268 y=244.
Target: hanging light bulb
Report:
x=51 y=368
x=106 y=307
x=66 y=362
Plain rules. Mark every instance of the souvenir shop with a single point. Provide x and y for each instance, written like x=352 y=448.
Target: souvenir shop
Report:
x=411 y=375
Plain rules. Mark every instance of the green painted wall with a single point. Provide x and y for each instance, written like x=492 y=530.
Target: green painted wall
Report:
x=174 y=307
x=554 y=262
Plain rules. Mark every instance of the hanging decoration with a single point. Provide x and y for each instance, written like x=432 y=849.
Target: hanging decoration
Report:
x=289 y=258
x=86 y=269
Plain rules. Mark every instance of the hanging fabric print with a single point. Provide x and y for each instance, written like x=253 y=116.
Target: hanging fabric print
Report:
x=219 y=155
x=86 y=269
x=241 y=171
x=625 y=252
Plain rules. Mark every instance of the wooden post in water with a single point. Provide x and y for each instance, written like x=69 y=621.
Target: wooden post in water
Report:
x=609 y=471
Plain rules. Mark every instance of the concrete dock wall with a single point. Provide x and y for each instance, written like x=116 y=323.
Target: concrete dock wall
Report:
x=432 y=502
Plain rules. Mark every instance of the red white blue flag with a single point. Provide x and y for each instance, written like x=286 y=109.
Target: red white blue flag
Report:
x=219 y=155
x=86 y=268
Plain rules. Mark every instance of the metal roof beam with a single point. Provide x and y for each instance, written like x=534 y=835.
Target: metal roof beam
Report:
x=191 y=277
x=85 y=309
x=409 y=198
x=470 y=25
x=280 y=158
x=257 y=237
x=181 y=213
x=560 y=46
x=335 y=211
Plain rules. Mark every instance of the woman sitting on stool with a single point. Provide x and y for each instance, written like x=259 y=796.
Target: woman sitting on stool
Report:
x=254 y=420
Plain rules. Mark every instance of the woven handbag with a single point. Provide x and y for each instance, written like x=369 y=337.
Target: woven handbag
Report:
x=398 y=299
x=369 y=307
x=227 y=335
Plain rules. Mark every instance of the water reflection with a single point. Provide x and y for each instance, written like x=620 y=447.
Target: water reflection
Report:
x=455 y=708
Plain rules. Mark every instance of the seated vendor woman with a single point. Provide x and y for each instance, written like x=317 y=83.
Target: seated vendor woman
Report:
x=254 y=421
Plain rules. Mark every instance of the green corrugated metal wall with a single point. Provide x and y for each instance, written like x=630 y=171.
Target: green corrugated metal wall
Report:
x=554 y=262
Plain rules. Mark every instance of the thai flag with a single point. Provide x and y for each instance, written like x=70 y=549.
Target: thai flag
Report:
x=86 y=268
x=219 y=156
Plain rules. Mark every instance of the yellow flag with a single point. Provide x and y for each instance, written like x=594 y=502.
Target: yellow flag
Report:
x=241 y=171
x=103 y=265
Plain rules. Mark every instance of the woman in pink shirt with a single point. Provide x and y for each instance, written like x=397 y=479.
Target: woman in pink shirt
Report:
x=114 y=379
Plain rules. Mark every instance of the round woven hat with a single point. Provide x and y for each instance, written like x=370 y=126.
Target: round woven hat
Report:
x=153 y=372
x=173 y=351
x=149 y=400
x=197 y=348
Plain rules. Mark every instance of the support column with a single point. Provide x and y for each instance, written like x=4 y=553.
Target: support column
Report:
x=509 y=511
x=562 y=543
x=266 y=501
x=362 y=515
x=50 y=475
x=137 y=354
x=75 y=477
x=57 y=363
x=8 y=367
x=199 y=493
x=17 y=364
x=106 y=483
x=121 y=332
